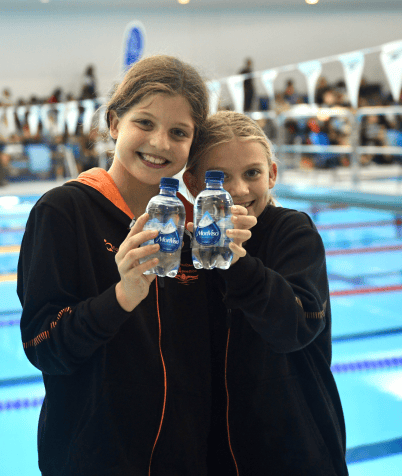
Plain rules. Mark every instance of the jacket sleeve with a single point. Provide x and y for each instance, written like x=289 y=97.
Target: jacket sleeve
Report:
x=60 y=329
x=284 y=293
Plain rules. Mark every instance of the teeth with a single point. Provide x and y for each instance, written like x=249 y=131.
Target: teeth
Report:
x=245 y=205
x=154 y=160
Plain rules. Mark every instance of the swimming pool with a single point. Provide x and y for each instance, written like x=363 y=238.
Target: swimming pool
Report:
x=364 y=256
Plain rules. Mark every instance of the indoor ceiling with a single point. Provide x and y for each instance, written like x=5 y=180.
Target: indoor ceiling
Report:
x=288 y=5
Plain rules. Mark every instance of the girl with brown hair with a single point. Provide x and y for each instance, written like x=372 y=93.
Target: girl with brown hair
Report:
x=125 y=356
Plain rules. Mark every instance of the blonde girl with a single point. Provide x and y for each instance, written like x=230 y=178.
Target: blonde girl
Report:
x=275 y=405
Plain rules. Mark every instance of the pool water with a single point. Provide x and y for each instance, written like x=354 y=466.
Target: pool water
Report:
x=364 y=261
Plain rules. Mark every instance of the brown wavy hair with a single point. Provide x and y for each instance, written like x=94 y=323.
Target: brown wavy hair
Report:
x=161 y=74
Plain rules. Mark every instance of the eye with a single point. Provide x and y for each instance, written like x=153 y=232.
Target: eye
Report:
x=179 y=133
x=225 y=177
x=144 y=122
x=253 y=173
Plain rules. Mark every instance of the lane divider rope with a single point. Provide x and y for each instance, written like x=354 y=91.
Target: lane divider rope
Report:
x=362 y=365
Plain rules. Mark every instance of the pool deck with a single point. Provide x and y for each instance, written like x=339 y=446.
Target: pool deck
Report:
x=374 y=179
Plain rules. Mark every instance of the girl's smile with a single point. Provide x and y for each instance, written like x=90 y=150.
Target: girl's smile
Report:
x=153 y=161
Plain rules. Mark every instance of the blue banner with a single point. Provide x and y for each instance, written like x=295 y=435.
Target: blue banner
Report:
x=133 y=43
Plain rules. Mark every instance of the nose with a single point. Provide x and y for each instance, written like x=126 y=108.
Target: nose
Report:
x=238 y=188
x=160 y=140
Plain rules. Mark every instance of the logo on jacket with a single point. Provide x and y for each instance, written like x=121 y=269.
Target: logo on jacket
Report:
x=186 y=274
x=110 y=247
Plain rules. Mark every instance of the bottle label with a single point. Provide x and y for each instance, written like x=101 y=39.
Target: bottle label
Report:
x=207 y=232
x=168 y=238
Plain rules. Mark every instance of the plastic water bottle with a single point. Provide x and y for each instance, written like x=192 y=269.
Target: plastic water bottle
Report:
x=167 y=215
x=210 y=246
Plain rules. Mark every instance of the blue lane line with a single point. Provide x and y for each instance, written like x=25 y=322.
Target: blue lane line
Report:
x=20 y=404
x=374 y=451
x=367 y=335
x=11 y=382
x=362 y=365
x=9 y=313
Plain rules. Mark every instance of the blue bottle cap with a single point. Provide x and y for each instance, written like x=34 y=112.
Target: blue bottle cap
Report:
x=168 y=182
x=215 y=175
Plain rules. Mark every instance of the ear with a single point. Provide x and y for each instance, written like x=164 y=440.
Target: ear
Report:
x=191 y=183
x=272 y=175
x=114 y=122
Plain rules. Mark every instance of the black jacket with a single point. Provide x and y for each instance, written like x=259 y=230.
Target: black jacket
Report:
x=126 y=393
x=130 y=393
x=284 y=413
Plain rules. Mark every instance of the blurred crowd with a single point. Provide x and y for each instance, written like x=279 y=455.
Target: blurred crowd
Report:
x=372 y=129
x=92 y=147
x=89 y=148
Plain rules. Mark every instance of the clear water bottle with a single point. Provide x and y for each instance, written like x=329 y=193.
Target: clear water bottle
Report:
x=210 y=246
x=167 y=215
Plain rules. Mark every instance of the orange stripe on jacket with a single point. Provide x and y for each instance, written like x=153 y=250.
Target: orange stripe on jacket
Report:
x=102 y=181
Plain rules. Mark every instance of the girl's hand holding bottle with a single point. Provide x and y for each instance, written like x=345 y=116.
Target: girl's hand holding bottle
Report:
x=133 y=286
x=240 y=233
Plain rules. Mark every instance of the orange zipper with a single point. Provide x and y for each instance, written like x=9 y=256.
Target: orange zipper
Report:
x=164 y=378
x=227 y=404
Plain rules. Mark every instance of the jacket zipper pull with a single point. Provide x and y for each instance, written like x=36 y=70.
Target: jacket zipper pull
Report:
x=161 y=282
x=229 y=318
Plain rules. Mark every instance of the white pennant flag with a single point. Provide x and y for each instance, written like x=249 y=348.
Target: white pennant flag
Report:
x=72 y=114
x=61 y=117
x=214 y=88
x=33 y=119
x=236 y=88
x=353 y=64
x=268 y=77
x=89 y=112
x=21 y=114
x=12 y=126
x=312 y=71
x=44 y=117
x=391 y=59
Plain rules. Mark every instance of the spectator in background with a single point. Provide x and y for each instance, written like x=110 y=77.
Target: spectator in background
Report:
x=6 y=98
x=281 y=105
x=88 y=90
x=329 y=97
x=373 y=132
x=290 y=95
x=322 y=86
x=56 y=96
x=342 y=93
x=248 y=85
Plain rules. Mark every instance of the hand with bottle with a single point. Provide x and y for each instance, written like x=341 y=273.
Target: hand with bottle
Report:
x=219 y=228
x=133 y=286
x=239 y=234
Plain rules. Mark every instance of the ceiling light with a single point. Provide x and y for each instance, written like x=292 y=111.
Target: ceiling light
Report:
x=312 y=2
x=183 y=2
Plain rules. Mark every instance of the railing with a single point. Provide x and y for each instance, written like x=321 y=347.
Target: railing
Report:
x=353 y=149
